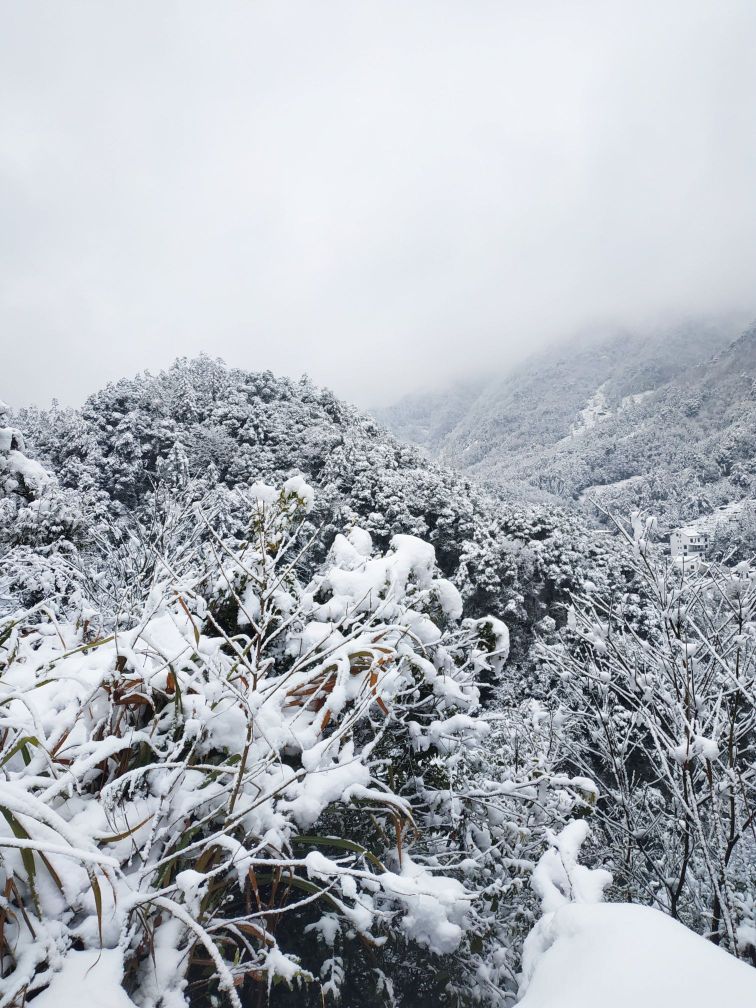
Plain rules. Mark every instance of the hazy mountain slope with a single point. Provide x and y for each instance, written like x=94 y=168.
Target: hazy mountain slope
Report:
x=686 y=449
x=427 y=419
x=661 y=419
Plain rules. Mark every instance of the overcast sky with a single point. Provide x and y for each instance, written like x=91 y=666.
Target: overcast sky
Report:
x=381 y=194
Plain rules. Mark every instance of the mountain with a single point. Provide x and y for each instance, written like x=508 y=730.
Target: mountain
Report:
x=663 y=421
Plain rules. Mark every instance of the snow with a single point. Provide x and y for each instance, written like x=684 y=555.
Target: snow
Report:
x=361 y=540
x=34 y=476
x=634 y=399
x=595 y=409
x=559 y=879
x=628 y=956
x=448 y=598
x=314 y=635
x=498 y=633
x=294 y=487
x=367 y=584
x=91 y=978
x=297 y=486
x=345 y=554
x=263 y=493
x=436 y=906
x=279 y=965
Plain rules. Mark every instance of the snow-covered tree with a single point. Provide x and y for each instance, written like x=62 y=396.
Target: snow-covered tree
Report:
x=21 y=478
x=661 y=686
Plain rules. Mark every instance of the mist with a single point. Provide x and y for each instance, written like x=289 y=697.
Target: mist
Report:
x=386 y=196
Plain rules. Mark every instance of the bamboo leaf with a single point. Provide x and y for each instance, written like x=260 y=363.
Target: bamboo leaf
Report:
x=27 y=856
x=115 y=837
x=98 y=902
x=340 y=844
x=20 y=746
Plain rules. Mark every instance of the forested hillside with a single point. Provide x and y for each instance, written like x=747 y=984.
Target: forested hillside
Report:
x=663 y=421
x=217 y=429
x=293 y=716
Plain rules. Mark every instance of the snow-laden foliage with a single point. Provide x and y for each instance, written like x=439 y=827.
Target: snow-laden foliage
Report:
x=255 y=781
x=21 y=476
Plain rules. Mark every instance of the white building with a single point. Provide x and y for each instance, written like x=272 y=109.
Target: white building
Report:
x=692 y=540
x=688 y=542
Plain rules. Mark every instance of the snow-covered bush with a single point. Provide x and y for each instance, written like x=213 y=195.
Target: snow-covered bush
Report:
x=252 y=781
x=514 y=799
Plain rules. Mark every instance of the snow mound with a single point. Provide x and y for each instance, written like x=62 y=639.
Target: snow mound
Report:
x=627 y=956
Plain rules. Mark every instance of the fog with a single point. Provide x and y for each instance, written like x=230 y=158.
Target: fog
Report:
x=385 y=195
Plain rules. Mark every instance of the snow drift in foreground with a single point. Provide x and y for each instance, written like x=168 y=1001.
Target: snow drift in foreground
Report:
x=628 y=956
